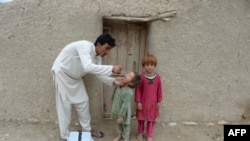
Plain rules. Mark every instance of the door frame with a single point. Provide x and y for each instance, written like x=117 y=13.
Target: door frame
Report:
x=108 y=26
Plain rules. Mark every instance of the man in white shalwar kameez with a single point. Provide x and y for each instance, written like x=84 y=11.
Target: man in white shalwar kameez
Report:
x=74 y=61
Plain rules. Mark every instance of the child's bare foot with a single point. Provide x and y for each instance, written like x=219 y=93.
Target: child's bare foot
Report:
x=139 y=137
x=117 y=138
x=149 y=139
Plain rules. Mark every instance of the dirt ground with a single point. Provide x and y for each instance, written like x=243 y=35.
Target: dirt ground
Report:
x=48 y=131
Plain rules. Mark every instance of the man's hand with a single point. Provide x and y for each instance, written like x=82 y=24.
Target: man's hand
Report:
x=117 y=69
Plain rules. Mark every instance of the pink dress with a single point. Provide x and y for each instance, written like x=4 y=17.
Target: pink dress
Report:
x=149 y=93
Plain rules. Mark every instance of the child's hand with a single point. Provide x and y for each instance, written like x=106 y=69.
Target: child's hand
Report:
x=139 y=106
x=120 y=119
x=158 y=105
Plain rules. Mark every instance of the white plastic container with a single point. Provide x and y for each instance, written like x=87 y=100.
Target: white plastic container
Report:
x=80 y=136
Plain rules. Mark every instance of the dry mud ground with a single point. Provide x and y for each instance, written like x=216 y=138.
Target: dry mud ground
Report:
x=48 y=131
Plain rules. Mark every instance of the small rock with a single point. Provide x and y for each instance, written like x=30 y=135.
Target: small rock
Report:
x=33 y=120
x=172 y=124
x=210 y=124
x=190 y=123
x=222 y=122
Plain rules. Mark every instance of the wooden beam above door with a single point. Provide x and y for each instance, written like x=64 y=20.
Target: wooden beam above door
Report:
x=166 y=16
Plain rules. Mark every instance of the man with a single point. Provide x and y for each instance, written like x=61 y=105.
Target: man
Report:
x=74 y=61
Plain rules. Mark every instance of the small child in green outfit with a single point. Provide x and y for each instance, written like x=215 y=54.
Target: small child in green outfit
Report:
x=121 y=108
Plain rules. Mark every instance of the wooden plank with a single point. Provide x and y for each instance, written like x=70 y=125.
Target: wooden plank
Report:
x=165 y=16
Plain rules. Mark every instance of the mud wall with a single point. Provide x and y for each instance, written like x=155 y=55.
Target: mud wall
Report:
x=203 y=55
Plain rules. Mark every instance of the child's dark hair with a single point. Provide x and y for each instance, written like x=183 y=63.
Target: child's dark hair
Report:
x=105 y=38
x=136 y=80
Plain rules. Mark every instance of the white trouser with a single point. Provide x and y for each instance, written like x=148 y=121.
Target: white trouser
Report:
x=64 y=115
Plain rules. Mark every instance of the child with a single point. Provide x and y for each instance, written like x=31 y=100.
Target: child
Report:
x=121 y=108
x=148 y=96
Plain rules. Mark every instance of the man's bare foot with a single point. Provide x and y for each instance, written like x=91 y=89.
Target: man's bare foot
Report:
x=97 y=133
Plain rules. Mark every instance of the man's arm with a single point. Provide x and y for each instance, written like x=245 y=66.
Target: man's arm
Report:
x=89 y=66
x=110 y=80
x=106 y=79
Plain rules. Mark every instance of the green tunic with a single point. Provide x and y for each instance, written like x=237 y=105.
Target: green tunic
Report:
x=122 y=104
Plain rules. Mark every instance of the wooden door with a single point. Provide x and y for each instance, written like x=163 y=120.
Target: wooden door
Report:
x=130 y=47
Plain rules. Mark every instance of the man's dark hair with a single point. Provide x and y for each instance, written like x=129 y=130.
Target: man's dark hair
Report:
x=136 y=80
x=105 y=38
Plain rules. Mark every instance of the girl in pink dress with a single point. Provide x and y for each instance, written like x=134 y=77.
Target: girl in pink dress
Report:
x=148 y=96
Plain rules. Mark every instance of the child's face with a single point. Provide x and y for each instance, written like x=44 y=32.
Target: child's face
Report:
x=128 y=77
x=149 y=68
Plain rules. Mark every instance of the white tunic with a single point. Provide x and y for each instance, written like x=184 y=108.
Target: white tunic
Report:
x=74 y=61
